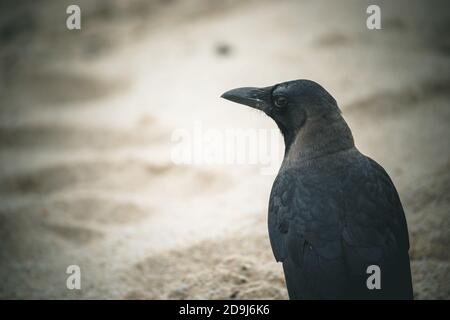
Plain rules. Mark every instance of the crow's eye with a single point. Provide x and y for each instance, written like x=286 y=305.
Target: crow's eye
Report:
x=280 y=101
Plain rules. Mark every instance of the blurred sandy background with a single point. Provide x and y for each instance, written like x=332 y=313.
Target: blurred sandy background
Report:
x=86 y=119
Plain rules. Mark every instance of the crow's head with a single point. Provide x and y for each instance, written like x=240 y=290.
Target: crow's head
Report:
x=290 y=104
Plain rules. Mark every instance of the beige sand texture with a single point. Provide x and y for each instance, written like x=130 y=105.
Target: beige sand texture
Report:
x=86 y=124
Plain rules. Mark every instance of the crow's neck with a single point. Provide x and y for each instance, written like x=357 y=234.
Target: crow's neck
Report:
x=317 y=138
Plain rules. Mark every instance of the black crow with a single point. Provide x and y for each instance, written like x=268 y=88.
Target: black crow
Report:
x=333 y=212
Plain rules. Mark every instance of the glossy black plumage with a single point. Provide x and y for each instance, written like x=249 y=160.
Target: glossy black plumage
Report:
x=332 y=211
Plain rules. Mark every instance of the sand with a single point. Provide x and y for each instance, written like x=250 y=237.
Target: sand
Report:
x=86 y=124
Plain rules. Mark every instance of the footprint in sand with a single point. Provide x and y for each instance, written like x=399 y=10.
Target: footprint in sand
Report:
x=333 y=40
x=96 y=209
x=75 y=234
x=64 y=137
x=110 y=175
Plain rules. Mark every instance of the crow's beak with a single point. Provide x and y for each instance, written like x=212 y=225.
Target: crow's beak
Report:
x=257 y=98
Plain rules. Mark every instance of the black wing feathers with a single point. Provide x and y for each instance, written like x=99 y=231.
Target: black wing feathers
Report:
x=327 y=229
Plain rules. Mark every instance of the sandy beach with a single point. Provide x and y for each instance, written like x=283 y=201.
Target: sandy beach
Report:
x=87 y=122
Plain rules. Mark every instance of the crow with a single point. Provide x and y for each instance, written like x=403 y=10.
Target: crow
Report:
x=334 y=213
